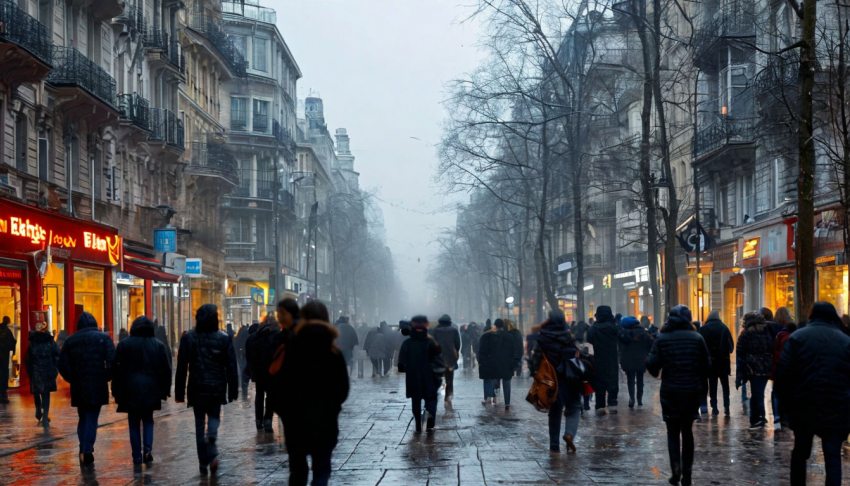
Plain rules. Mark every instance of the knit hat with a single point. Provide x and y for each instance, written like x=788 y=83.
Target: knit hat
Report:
x=419 y=322
x=603 y=313
x=824 y=311
x=629 y=322
x=445 y=318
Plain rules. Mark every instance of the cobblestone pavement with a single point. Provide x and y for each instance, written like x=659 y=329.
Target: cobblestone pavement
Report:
x=472 y=445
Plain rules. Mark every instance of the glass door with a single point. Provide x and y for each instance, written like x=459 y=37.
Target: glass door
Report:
x=10 y=313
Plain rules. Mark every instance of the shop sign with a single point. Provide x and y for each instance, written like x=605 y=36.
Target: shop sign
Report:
x=826 y=260
x=606 y=281
x=629 y=274
x=258 y=295
x=193 y=266
x=165 y=240
x=642 y=273
x=11 y=274
x=750 y=252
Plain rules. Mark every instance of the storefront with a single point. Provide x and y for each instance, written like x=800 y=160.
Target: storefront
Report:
x=143 y=288
x=53 y=268
x=832 y=281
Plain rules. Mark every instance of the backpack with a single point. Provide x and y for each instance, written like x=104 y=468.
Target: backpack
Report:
x=544 y=390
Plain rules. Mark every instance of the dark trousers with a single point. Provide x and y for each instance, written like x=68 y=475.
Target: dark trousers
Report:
x=416 y=406
x=263 y=398
x=757 y=386
x=450 y=382
x=606 y=391
x=143 y=421
x=207 y=420
x=467 y=360
x=4 y=374
x=681 y=453
x=298 y=469
x=87 y=428
x=712 y=389
x=635 y=378
x=381 y=366
x=42 y=403
x=831 y=443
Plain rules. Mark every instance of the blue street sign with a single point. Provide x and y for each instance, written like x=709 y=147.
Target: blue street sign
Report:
x=193 y=266
x=165 y=240
x=258 y=295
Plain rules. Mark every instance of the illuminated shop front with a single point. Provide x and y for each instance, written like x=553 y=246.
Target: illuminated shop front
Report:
x=779 y=289
x=832 y=282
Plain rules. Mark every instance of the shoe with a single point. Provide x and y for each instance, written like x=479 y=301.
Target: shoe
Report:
x=612 y=411
x=571 y=447
x=726 y=412
x=267 y=426
x=631 y=403
x=87 y=458
x=431 y=421
x=640 y=402
x=758 y=425
x=487 y=401
x=259 y=424
x=147 y=458
x=676 y=476
x=203 y=470
x=449 y=397
x=45 y=422
x=777 y=426
x=600 y=412
x=507 y=408
x=715 y=412
x=587 y=407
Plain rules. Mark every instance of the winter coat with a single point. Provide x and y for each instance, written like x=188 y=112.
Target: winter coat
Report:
x=207 y=355
x=516 y=334
x=376 y=344
x=636 y=344
x=813 y=377
x=555 y=342
x=239 y=343
x=755 y=352
x=720 y=345
x=347 y=336
x=604 y=336
x=142 y=371
x=778 y=346
x=414 y=360
x=774 y=329
x=448 y=337
x=7 y=342
x=581 y=331
x=465 y=342
x=312 y=386
x=475 y=334
x=86 y=363
x=123 y=334
x=498 y=356
x=42 y=362
x=160 y=334
x=260 y=349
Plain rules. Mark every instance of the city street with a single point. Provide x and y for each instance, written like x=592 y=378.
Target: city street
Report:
x=472 y=445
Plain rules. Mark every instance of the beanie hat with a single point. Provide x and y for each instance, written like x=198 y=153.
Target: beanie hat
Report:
x=629 y=322
x=445 y=318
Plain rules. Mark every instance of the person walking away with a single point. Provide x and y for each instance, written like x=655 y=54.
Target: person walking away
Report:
x=207 y=356
x=557 y=345
x=161 y=335
x=813 y=380
x=259 y=352
x=603 y=335
x=448 y=338
x=389 y=347
x=347 y=340
x=580 y=334
x=466 y=346
x=239 y=343
x=85 y=362
x=651 y=328
x=123 y=334
x=720 y=345
x=60 y=338
x=783 y=317
x=229 y=331
x=421 y=383
x=42 y=361
x=498 y=358
x=140 y=382
x=636 y=344
x=680 y=355
x=530 y=341
x=7 y=349
x=516 y=334
x=314 y=380
x=474 y=342
x=376 y=349
x=754 y=364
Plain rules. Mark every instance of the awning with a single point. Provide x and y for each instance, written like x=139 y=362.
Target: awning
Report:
x=144 y=267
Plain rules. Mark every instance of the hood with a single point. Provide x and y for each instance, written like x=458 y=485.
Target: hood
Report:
x=608 y=327
x=713 y=316
x=679 y=319
x=444 y=320
x=754 y=320
x=342 y=319
x=629 y=322
x=40 y=337
x=824 y=312
x=206 y=319
x=86 y=320
x=315 y=335
x=142 y=327
x=603 y=313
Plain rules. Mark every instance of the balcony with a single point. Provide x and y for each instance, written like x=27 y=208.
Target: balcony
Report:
x=255 y=183
x=71 y=69
x=208 y=26
x=724 y=132
x=25 y=45
x=250 y=9
x=284 y=138
x=731 y=25
x=213 y=160
x=163 y=47
x=778 y=78
x=247 y=252
x=133 y=17
x=238 y=120
x=135 y=109
x=167 y=128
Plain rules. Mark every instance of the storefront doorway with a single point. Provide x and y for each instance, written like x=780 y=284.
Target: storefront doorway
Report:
x=779 y=289
x=733 y=303
x=10 y=307
x=832 y=287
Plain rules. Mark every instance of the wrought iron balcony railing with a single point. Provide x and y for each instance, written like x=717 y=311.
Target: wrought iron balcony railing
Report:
x=72 y=68
x=135 y=109
x=284 y=138
x=239 y=120
x=202 y=22
x=214 y=160
x=779 y=75
x=736 y=23
x=247 y=252
x=261 y=123
x=250 y=9
x=20 y=28
x=722 y=132
x=170 y=49
x=166 y=127
x=263 y=180
x=134 y=18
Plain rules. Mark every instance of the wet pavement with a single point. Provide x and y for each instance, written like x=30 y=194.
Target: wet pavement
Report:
x=472 y=445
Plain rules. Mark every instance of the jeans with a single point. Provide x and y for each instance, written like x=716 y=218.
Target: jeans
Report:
x=298 y=469
x=571 y=409
x=607 y=389
x=42 y=403
x=87 y=428
x=144 y=421
x=774 y=403
x=490 y=389
x=831 y=443
x=4 y=374
x=207 y=411
x=712 y=390
x=450 y=382
x=757 y=385
x=263 y=398
x=744 y=392
x=632 y=378
x=416 y=406
x=681 y=455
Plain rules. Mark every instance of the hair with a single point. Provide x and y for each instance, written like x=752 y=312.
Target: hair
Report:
x=753 y=318
x=766 y=313
x=499 y=324
x=783 y=316
x=509 y=325
x=291 y=306
x=315 y=311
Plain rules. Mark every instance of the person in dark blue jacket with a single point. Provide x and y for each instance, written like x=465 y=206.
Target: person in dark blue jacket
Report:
x=415 y=360
x=635 y=343
x=41 y=363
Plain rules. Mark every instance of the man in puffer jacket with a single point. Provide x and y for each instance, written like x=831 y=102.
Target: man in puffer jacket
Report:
x=603 y=335
x=636 y=343
x=754 y=364
x=813 y=382
x=448 y=338
x=85 y=362
x=720 y=345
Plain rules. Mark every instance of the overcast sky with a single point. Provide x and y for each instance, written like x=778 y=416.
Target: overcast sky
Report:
x=380 y=67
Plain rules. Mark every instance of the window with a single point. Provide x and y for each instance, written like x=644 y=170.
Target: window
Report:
x=97 y=175
x=73 y=160
x=746 y=205
x=240 y=230
x=735 y=97
x=43 y=155
x=238 y=113
x=241 y=43
x=21 y=143
x=261 y=116
x=259 y=59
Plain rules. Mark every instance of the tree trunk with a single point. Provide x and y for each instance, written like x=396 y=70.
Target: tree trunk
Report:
x=844 y=129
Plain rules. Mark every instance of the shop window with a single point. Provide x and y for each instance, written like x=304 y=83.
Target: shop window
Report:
x=10 y=307
x=88 y=293
x=779 y=289
x=832 y=287
x=131 y=300
x=53 y=295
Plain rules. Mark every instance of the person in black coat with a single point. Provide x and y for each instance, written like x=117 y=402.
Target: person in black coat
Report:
x=603 y=335
x=123 y=334
x=636 y=343
x=207 y=356
x=448 y=337
x=314 y=381
x=812 y=380
x=239 y=343
x=421 y=382
x=7 y=348
x=42 y=362
x=259 y=352
x=141 y=380
x=347 y=340
x=475 y=340
x=720 y=345
x=466 y=346
x=497 y=361
x=580 y=333
x=755 y=363
x=683 y=356
x=85 y=362
x=516 y=334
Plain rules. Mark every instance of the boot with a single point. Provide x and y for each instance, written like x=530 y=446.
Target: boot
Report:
x=259 y=424
x=631 y=403
x=267 y=426
x=676 y=476
x=431 y=422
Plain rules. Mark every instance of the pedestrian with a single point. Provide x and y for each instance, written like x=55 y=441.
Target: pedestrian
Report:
x=7 y=349
x=636 y=344
x=448 y=338
x=516 y=334
x=347 y=340
x=772 y=327
x=488 y=326
x=466 y=346
x=314 y=384
x=813 y=379
x=530 y=341
x=123 y=334
x=376 y=349
x=162 y=336
x=498 y=359
x=206 y=354
x=239 y=343
x=230 y=333
x=421 y=382
x=259 y=352
x=603 y=335
x=783 y=317
x=680 y=355
x=141 y=380
x=475 y=340
x=60 y=338
x=557 y=345
x=85 y=362
x=754 y=364
x=42 y=361
x=580 y=334
x=720 y=345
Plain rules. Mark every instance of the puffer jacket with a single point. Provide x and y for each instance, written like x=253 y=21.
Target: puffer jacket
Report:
x=42 y=362
x=86 y=363
x=448 y=337
x=142 y=370
x=260 y=349
x=376 y=345
x=207 y=355
x=603 y=335
x=635 y=343
x=720 y=345
x=498 y=356
x=682 y=355
x=755 y=351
